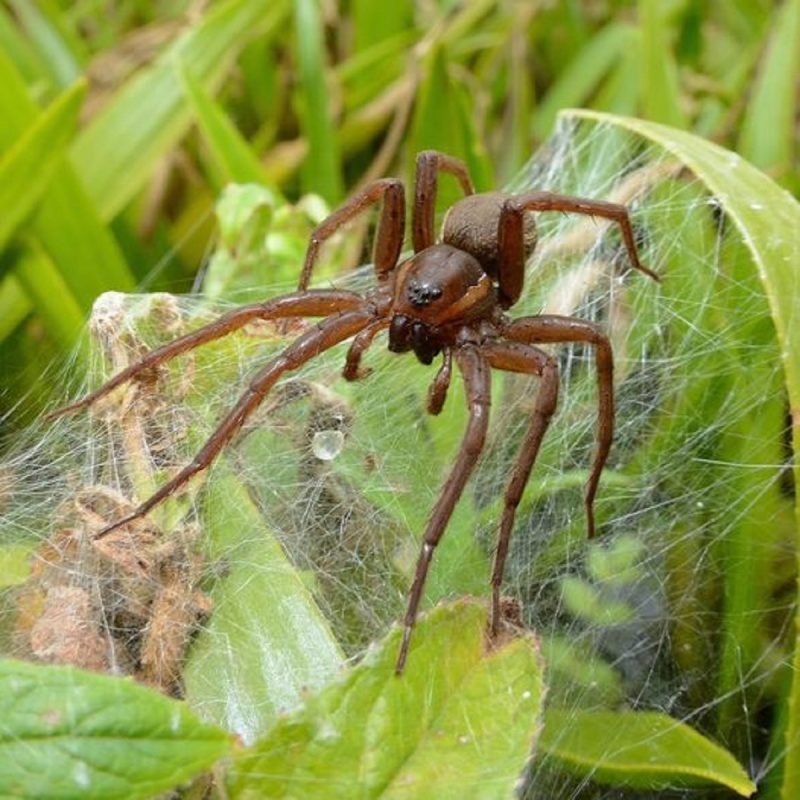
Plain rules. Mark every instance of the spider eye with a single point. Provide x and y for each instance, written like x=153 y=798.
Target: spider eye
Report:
x=422 y=294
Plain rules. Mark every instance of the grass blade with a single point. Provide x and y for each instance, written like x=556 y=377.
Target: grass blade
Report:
x=322 y=169
x=14 y=306
x=79 y=244
x=50 y=295
x=232 y=156
x=768 y=128
x=660 y=93
x=117 y=152
x=575 y=84
x=53 y=50
x=38 y=152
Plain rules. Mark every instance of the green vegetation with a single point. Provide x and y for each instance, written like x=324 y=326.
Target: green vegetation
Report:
x=183 y=99
x=133 y=139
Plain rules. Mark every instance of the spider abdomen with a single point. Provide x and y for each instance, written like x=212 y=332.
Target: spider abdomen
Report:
x=471 y=225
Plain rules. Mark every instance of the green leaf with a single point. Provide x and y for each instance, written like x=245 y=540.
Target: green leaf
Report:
x=267 y=641
x=768 y=127
x=584 y=601
x=19 y=49
x=37 y=153
x=67 y=733
x=116 y=153
x=641 y=750
x=460 y=722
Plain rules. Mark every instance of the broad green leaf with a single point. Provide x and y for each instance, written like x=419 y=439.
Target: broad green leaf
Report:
x=116 y=153
x=67 y=733
x=322 y=169
x=638 y=749
x=460 y=722
x=267 y=641
x=37 y=153
x=768 y=134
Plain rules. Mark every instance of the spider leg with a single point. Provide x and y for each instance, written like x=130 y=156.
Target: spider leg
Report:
x=510 y=232
x=352 y=368
x=388 y=238
x=315 y=303
x=515 y=357
x=429 y=164
x=477 y=387
x=323 y=336
x=437 y=393
x=554 y=328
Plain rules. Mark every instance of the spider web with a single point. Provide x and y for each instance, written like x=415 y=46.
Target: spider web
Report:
x=683 y=603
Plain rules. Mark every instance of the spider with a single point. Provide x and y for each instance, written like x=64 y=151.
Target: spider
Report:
x=448 y=298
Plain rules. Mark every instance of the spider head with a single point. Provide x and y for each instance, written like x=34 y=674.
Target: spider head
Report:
x=437 y=289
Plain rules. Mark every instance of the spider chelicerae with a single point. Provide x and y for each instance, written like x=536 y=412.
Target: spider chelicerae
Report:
x=448 y=298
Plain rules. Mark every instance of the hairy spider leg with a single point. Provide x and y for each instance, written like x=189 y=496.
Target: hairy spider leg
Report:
x=517 y=357
x=321 y=337
x=426 y=181
x=352 y=366
x=437 y=393
x=315 y=303
x=553 y=328
x=477 y=387
x=511 y=241
x=388 y=238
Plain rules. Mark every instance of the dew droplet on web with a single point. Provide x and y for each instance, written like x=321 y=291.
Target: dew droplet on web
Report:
x=326 y=445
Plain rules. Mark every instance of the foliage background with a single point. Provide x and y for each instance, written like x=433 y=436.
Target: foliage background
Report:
x=311 y=96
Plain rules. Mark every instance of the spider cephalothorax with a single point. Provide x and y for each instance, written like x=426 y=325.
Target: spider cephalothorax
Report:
x=447 y=298
x=435 y=292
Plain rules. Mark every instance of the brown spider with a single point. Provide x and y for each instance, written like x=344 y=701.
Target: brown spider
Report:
x=447 y=298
